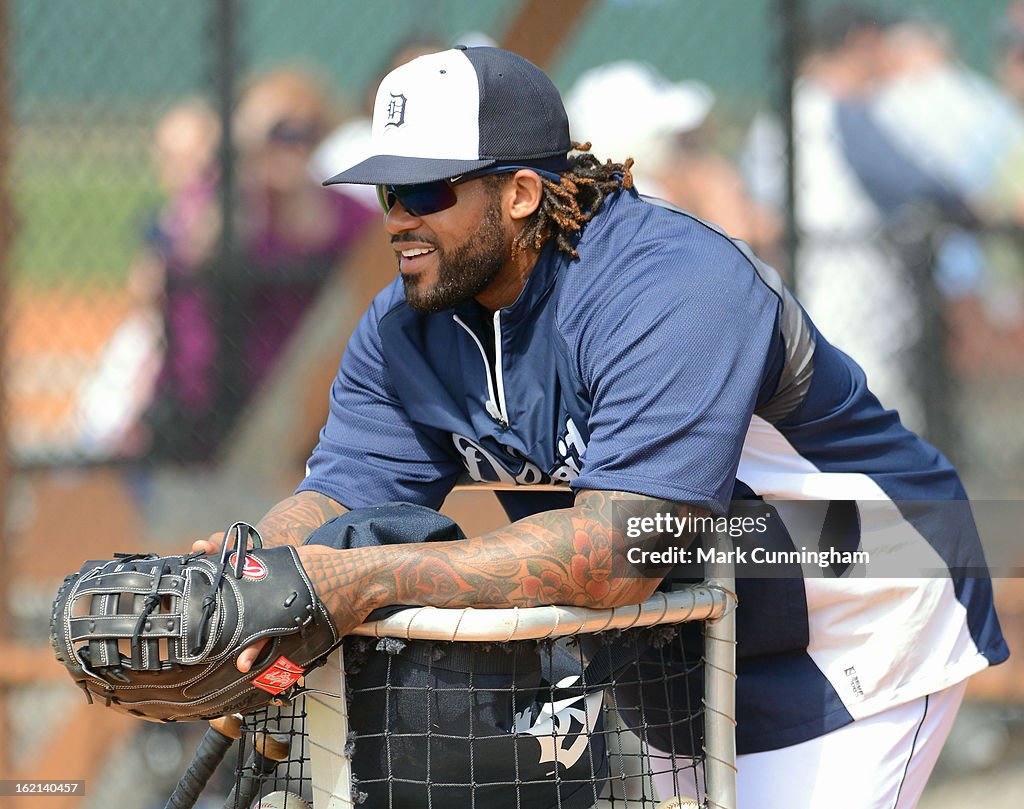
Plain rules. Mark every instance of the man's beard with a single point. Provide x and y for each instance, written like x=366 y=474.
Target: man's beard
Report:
x=464 y=272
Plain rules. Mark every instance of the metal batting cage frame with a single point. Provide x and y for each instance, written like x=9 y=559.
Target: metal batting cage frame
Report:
x=712 y=601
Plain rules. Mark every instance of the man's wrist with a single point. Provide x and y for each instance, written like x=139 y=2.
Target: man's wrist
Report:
x=374 y=593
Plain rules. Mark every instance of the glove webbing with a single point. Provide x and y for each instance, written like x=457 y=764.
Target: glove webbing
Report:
x=105 y=624
x=152 y=601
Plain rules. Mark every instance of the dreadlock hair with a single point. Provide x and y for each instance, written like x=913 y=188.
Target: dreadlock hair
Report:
x=567 y=206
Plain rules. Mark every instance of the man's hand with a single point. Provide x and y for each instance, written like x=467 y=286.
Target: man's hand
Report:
x=340 y=580
x=250 y=655
x=290 y=522
x=212 y=544
x=271 y=597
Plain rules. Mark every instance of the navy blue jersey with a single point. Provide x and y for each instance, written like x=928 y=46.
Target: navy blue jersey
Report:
x=668 y=361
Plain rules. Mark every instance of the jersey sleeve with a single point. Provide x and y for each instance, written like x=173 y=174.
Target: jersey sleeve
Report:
x=369 y=452
x=673 y=355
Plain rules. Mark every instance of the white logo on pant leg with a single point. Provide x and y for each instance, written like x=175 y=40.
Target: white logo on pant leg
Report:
x=562 y=727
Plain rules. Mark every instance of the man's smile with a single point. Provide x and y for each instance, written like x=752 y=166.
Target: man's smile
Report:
x=412 y=259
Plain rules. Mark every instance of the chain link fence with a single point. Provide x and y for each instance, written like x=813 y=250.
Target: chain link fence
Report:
x=148 y=244
x=116 y=353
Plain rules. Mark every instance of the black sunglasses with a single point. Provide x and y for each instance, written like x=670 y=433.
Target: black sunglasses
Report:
x=422 y=199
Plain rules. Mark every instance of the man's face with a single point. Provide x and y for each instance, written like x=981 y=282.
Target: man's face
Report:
x=449 y=257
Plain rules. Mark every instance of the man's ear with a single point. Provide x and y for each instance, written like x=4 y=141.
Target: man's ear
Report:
x=525 y=191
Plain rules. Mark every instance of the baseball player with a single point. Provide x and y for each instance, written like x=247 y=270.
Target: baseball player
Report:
x=550 y=324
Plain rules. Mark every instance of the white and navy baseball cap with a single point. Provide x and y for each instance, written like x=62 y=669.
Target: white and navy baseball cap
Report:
x=462 y=110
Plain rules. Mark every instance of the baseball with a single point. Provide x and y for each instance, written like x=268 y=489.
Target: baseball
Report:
x=282 y=800
x=678 y=803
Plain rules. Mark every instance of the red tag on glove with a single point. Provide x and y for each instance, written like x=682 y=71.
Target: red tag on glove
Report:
x=281 y=676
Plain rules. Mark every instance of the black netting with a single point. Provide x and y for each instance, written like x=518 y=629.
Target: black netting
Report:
x=610 y=720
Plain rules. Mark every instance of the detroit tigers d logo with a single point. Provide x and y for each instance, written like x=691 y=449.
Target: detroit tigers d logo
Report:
x=396 y=110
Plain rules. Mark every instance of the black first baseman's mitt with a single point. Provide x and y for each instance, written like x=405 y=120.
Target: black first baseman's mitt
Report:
x=157 y=637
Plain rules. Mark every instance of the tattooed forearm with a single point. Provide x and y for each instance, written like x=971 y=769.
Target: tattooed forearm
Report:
x=296 y=517
x=571 y=556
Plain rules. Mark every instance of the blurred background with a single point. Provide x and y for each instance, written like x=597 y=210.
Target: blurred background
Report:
x=177 y=286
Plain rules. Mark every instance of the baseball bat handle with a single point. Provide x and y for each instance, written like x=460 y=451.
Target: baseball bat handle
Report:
x=211 y=751
x=267 y=753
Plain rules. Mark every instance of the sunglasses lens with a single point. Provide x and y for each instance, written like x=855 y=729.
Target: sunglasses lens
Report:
x=386 y=197
x=420 y=199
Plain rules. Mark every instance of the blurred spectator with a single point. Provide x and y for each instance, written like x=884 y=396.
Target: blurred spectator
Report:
x=965 y=129
x=292 y=229
x=851 y=181
x=1004 y=299
x=226 y=321
x=956 y=122
x=666 y=127
x=185 y=144
x=1010 y=68
x=178 y=240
